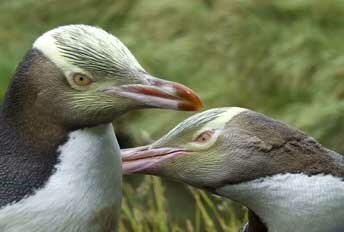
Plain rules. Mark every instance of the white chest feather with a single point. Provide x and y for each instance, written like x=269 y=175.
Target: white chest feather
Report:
x=83 y=194
x=293 y=202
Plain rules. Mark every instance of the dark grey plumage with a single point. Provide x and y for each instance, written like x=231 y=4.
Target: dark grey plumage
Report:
x=26 y=162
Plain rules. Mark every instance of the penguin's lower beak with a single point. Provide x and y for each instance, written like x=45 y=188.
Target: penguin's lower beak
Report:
x=153 y=92
x=144 y=159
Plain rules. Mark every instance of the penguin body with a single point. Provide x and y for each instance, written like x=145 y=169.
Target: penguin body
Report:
x=80 y=194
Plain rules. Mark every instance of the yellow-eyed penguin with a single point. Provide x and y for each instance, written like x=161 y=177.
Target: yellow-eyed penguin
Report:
x=288 y=181
x=60 y=167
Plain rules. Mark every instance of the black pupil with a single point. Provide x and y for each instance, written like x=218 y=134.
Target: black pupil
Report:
x=81 y=79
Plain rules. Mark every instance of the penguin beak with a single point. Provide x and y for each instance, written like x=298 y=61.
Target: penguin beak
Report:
x=157 y=93
x=144 y=159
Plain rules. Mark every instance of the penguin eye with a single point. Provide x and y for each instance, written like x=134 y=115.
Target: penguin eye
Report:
x=81 y=79
x=204 y=136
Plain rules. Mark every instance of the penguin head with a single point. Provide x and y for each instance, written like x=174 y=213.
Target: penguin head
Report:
x=81 y=75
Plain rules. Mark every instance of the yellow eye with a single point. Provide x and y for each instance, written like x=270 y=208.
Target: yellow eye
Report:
x=81 y=79
x=204 y=137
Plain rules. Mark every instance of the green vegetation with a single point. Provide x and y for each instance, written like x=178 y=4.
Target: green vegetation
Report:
x=282 y=58
x=144 y=209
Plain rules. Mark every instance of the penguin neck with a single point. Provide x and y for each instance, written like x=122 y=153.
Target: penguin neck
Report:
x=291 y=202
x=20 y=111
x=34 y=129
x=29 y=138
x=23 y=148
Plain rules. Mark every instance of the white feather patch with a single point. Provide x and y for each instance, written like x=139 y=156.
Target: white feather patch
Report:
x=293 y=202
x=46 y=44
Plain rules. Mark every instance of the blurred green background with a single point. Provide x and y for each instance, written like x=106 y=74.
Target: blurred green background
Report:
x=282 y=58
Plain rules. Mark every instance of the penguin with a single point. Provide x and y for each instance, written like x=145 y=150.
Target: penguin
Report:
x=60 y=165
x=287 y=180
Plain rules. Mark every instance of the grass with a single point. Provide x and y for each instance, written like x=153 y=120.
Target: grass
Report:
x=145 y=209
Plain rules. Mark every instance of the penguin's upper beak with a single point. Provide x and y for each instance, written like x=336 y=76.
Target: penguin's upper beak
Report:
x=157 y=93
x=144 y=159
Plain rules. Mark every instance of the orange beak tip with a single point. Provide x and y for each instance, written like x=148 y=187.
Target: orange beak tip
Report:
x=190 y=100
x=190 y=106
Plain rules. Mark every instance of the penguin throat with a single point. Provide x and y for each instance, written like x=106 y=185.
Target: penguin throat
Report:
x=293 y=202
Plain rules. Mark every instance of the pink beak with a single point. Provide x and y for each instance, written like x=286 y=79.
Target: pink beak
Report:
x=143 y=159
